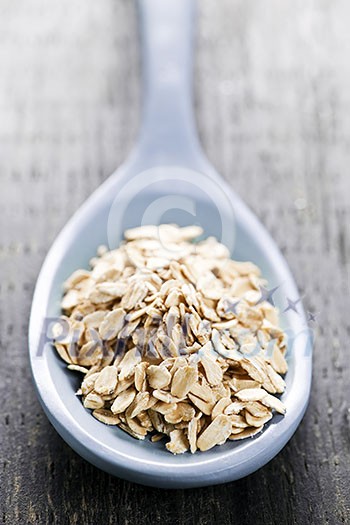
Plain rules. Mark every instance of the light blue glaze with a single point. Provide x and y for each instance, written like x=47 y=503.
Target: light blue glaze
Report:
x=169 y=142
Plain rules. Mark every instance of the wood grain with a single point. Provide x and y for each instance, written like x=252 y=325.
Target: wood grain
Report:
x=272 y=103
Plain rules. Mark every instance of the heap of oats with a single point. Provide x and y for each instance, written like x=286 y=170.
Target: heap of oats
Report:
x=174 y=339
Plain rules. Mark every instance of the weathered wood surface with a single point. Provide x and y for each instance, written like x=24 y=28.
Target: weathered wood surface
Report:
x=273 y=108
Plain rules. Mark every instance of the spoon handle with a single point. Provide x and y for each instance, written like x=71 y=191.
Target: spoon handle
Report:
x=168 y=131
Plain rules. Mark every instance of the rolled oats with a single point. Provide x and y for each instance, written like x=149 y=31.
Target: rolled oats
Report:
x=183 y=380
x=173 y=339
x=123 y=401
x=106 y=416
x=158 y=376
x=217 y=432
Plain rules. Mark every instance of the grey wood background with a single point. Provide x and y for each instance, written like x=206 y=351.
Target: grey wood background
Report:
x=272 y=96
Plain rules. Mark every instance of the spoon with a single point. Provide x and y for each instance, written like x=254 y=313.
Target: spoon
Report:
x=166 y=179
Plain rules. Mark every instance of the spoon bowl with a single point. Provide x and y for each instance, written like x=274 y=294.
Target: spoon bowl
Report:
x=160 y=183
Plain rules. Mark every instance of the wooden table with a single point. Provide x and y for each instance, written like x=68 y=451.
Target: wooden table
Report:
x=272 y=96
